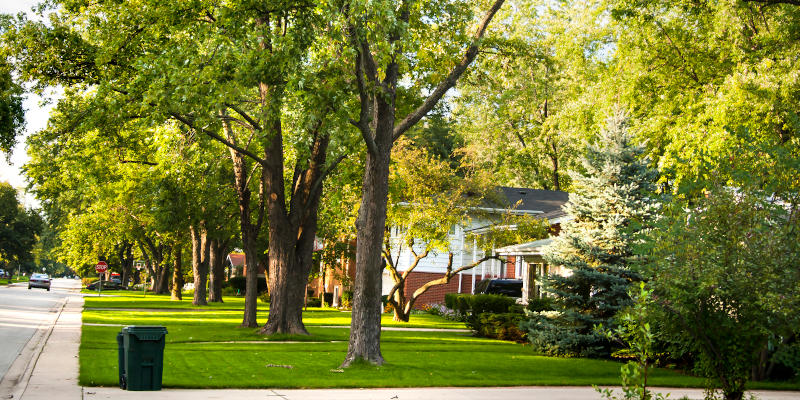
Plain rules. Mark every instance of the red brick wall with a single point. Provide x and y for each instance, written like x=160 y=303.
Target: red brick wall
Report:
x=511 y=267
x=435 y=295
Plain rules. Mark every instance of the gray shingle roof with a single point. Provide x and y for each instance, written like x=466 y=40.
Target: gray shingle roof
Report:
x=548 y=202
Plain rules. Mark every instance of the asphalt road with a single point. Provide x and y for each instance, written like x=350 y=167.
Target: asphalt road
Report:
x=23 y=312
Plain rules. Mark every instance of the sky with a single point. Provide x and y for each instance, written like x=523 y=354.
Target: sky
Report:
x=35 y=118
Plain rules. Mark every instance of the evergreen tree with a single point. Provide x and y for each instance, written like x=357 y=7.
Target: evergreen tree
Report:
x=610 y=203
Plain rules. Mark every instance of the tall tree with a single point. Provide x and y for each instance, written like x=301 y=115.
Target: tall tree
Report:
x=12 y=115
x=705 y=77
x=725 y=278
x=611 y=202
x=19 y=228
x=383 y=37
x=529 y=99
x=225 y=71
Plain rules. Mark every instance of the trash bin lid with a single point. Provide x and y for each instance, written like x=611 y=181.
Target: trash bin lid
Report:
x=146 y=332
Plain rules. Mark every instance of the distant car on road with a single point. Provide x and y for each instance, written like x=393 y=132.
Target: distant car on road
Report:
x=39 y=281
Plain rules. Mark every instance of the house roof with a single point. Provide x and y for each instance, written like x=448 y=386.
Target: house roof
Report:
x=236 y=259
x=546 y=202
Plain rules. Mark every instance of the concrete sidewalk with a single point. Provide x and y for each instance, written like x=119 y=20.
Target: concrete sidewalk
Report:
x=55 y=376
x=511 y=393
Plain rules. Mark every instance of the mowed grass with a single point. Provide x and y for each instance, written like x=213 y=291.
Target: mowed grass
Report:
x=207 y=349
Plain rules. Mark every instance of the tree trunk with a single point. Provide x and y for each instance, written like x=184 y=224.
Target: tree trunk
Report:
x=126 y=259
x=289 y=265
x=399 y=302
x=365 y=326
x=249 y=232
x=217 y=276
x=249 y=319
x=292 y=232
x=163 y=280
x=200 y=255
x=159 y=273
x=177 y=273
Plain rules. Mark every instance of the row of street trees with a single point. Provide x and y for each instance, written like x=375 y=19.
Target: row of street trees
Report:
x=131 y=156
x=196 y=127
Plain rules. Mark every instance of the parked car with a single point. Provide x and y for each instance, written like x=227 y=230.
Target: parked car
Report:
x=39 y=281
x=107 y=285
x=506 y=287
x=115 y=278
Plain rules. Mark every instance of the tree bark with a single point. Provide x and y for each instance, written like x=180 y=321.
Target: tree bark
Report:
x=124 y=252
x=177 y=273
x=377 y=126
x=292 y=233
x=217 y=266
x=200 y=255
x=365 y=326
x=249 y=232
x=158 y=272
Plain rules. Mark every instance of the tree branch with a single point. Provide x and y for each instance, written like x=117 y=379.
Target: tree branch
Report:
x=452 y=77
x=188 y=122
x=365 y=114
x=244 y=115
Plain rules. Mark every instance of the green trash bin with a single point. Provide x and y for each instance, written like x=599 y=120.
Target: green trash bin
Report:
x=142 y=361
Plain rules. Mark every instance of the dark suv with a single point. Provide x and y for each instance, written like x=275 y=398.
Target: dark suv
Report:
x=506 y=287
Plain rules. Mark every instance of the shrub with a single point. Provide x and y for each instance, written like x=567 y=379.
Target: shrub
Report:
x=314 y=302
x=541 y=304
x=264 y=296
x=347 y=299
x=450 y=300
x=229 y=291
x=328 y=299
x=490 y=303
x=504 y=326
x=239 y=283
x=443 y=311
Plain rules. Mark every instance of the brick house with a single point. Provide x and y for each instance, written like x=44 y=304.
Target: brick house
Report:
x=544 y=204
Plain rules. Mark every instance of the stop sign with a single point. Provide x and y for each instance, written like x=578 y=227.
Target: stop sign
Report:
x=101 y=267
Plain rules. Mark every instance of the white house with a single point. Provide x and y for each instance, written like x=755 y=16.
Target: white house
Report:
x=545 y=204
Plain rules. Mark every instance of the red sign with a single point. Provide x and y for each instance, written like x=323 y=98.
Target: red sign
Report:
x=101 y=267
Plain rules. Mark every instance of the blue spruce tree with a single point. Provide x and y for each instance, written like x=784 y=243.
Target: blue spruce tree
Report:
x=611 y=201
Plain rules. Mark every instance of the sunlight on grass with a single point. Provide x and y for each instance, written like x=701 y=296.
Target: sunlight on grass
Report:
x=206 y=348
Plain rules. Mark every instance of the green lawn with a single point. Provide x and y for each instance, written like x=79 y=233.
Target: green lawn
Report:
x=14 y=279
x=197 y=354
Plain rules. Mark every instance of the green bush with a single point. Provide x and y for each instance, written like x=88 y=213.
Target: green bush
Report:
x=460 y=303
x=229 y=291
x=347 y=299
x=490 y=303
x=239 y=283
x=541 y=304
x=450 y=300
x=264 y=296
x=314 y=302
x=504 y=326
